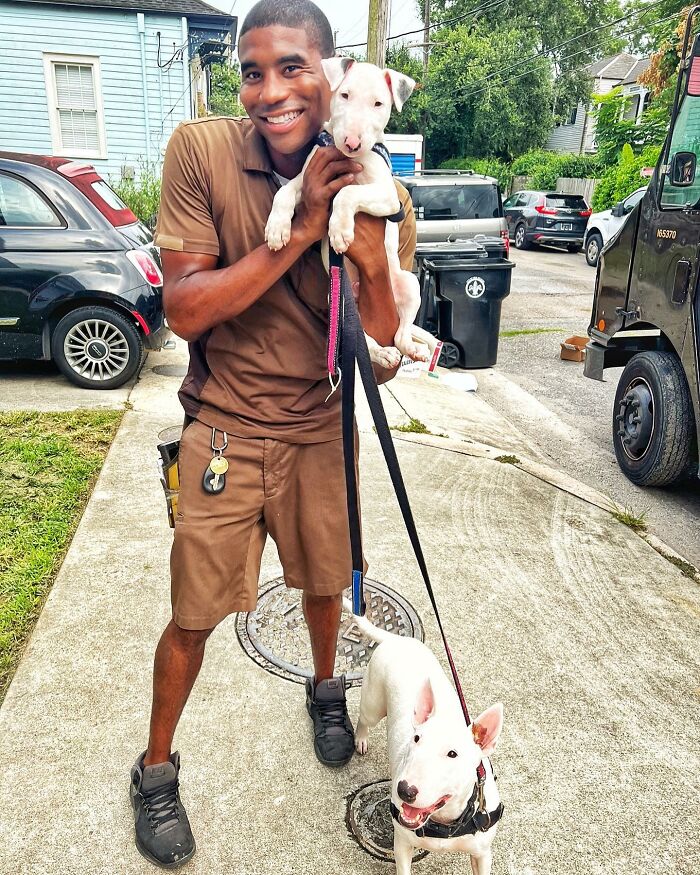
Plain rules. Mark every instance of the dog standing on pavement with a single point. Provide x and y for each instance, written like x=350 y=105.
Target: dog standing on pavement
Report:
x=362 y=97
x=433 y=754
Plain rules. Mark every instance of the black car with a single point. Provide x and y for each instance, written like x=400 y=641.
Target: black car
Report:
x=80 y=277
x=546 y=217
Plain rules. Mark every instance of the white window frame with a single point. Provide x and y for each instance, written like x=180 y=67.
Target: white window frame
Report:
x=52 y=97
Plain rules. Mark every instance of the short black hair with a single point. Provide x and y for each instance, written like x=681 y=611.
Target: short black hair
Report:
x=300 y=14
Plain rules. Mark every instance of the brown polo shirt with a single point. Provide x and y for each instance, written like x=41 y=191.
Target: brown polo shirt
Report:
x=262 y=374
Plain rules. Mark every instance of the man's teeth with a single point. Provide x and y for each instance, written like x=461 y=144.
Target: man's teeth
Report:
x=283 y=119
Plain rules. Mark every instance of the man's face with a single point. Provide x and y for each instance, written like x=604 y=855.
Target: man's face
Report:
x=283 y=88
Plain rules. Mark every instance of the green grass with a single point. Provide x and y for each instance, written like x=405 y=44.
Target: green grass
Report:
x=635 y=521
x=415 y=426
x=508 y=460
x=519 y=332
x=48 y=465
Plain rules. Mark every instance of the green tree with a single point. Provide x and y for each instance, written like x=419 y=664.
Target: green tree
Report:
x=225 y=86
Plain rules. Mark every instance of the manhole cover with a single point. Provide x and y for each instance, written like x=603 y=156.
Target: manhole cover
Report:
x=369 y=820
x=275 y=636
x=170 y=370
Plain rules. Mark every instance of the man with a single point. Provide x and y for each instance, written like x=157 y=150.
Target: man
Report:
x=256 y=388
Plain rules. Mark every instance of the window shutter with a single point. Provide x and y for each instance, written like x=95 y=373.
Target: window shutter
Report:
x=77 y=108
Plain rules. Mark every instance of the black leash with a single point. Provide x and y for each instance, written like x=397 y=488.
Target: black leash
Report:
x=354 y=349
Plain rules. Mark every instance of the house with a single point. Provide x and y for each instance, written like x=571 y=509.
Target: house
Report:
x=105 y=80
x=577 y=133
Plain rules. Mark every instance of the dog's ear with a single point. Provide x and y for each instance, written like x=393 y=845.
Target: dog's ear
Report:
x=487 y=728
x=335 y=70
x=401 y=87
x=425 y=704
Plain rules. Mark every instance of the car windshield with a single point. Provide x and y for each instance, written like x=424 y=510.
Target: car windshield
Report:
x=474 y=201
x=567 y=201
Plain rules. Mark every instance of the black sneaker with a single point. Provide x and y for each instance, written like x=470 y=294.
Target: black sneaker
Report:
x=163 y=834
x=334 y=737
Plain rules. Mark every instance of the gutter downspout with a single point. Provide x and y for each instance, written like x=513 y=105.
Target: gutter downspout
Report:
x=186 y=81
x=141 y=26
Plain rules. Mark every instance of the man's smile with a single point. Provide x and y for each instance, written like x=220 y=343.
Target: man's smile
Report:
x=282 y=121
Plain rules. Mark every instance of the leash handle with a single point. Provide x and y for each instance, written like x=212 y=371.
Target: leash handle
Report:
x=354 y=349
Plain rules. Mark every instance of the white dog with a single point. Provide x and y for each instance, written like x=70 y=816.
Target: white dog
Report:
x=433 y=755
x=362 y=97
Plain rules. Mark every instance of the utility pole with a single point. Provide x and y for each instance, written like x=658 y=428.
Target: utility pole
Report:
x=377 y=31
x=426 y=36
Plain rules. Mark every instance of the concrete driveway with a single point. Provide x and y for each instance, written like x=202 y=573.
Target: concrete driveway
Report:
x=551 y=401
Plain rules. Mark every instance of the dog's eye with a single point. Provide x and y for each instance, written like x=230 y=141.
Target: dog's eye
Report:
x=345 y=96
x=379 y=103
x=451 y=754
x=416 y=738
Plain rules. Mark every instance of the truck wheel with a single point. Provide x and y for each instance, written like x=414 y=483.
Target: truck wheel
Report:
x=520 y=240
x=653 y=424
x=97 y=348
x=593 y=246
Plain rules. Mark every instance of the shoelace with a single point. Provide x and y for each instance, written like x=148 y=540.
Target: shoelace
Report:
x=161 y=805
x=332 y=713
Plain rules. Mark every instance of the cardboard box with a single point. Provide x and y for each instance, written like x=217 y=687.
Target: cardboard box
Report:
x=573 y=349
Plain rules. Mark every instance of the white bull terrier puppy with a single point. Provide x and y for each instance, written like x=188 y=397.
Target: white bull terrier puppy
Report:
x=433 y=754
x=362 y=97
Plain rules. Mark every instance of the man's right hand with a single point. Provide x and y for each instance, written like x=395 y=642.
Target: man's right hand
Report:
x=326 y=173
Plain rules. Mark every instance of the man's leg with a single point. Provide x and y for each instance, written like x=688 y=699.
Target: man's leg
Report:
x=163 y=833
x=322 y=615
x=177 y=663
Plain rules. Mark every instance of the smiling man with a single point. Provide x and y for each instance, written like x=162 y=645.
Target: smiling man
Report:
x=255 y=392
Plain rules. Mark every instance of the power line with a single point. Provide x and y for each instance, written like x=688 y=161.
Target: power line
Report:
x=566 y=58
x=490 y=4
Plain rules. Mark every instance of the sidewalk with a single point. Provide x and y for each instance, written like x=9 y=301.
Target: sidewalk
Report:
x=588 y=636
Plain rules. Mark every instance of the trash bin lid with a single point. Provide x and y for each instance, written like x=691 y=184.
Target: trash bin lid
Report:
x=459 y=249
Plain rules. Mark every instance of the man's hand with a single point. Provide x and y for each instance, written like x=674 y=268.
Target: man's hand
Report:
x=326 y=173
x=367 y=251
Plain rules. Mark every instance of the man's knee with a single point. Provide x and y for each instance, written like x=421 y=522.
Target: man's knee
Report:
x=188 y=639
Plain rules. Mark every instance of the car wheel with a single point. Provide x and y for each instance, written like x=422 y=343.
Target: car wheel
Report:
x=97 y=348
x=573 y=247
x=450 y=355
x=520 y=239
x=593 y=246
x=653 y=425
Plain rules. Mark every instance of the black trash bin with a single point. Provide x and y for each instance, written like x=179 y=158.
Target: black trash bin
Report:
x=462 y=287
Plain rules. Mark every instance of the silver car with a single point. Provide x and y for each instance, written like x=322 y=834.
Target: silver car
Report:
x=453 y=204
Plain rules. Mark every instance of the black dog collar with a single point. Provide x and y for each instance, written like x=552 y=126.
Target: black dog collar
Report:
x=325 y=139
x=469 y=822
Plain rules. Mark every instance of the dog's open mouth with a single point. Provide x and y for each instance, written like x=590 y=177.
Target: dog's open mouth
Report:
x=414 y=818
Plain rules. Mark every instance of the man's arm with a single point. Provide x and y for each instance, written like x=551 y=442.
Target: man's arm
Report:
x=197 y=296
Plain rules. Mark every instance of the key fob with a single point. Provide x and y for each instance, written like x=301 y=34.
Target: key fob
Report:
x=208 y=482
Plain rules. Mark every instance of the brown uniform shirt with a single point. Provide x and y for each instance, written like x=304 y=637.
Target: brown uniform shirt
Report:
x=262 y=374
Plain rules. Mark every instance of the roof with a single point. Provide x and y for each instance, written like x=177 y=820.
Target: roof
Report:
x=636 y=71
x=617 y=67
x=172 y=7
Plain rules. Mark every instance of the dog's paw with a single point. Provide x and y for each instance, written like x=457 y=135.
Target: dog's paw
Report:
x=386 y=356
x=418 y=352
x=341 y=232
x=361 y=744
x=278 y=232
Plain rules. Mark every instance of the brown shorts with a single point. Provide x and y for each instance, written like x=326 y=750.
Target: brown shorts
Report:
x=296 y=492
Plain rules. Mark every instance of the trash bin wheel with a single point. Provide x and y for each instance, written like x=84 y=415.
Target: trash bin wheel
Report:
x=520 y=239
x=653 y=422
x=450 y=355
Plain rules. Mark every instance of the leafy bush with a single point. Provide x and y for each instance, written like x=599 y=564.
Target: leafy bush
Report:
x=624 y=177
x=530 y=162
x=488 y=166
x=544 y=168
x=141 y=194
x=613 y=131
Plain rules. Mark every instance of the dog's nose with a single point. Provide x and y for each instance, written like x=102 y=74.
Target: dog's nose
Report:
x=408 y=794
x=353 y=143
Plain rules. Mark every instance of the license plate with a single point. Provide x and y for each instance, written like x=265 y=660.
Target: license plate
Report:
x=566 y=226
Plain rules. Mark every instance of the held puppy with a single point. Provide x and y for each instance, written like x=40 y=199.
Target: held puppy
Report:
x=362 y=97
x=433 y=754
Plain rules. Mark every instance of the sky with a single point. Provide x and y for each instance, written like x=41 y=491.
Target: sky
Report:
x=349 y=19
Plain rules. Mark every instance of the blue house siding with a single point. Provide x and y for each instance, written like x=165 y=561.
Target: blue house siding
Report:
x=31 y=30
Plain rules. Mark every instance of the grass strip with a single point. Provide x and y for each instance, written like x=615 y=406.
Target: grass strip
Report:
x=48 y=465
x=519 y=332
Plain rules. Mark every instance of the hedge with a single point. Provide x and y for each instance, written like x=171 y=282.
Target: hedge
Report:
x=624 y=177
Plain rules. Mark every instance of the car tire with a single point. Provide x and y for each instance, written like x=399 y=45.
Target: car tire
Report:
x=97 y=348
x=653 y=421
x=594 y=244
x=573 y=248
x=520 y=238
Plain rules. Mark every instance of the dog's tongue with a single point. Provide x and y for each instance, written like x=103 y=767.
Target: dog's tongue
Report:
x=411 y=813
